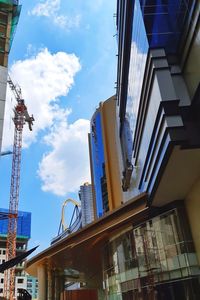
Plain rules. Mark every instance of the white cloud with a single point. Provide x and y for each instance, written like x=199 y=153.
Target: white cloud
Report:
x=47 y=8
x=51 y=9
x=66 y=166
x=67 y=22
x=43 y=79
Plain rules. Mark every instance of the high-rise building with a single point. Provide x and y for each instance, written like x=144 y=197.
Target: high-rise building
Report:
x=87 y=204
x=104 y=158
x=23 y=235
x=158 y=94
x=9 y=15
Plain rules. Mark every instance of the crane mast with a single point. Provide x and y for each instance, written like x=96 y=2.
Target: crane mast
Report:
x=21 y=116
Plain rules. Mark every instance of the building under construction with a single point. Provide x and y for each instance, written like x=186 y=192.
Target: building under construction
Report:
x=22 y=238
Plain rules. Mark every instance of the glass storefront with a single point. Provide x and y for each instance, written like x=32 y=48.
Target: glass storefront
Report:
x=153 y=261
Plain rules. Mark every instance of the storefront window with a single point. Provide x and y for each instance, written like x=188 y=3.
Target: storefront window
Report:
x=155 y=252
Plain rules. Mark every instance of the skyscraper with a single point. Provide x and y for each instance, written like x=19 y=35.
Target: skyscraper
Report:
x=87 y=205
x=9 y=15
x=104 y=157
x=158 y=93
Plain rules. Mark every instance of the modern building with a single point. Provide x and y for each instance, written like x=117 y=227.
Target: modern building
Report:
x=145 y=241
x=104 y=158
x=23 y=235
x=87 y=204
x=9 y=15
x=158 y=94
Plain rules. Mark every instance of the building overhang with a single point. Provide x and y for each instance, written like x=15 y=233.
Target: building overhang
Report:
x=82 y=250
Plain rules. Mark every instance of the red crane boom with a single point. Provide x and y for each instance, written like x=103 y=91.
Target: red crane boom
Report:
x=21 y=116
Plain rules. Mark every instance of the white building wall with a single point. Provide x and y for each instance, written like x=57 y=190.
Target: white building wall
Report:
x=20 y=281
x=2 y=260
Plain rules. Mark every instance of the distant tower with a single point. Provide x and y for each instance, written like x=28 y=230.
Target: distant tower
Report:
x=87 y=207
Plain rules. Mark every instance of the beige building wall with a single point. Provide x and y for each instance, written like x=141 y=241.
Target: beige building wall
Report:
x=192 y=67
x=192 y=204
x=108 y=111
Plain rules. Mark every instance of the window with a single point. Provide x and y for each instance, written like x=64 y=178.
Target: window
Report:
x=4 y=252
x=1 y=280
x=20 y=280
x=1 y=291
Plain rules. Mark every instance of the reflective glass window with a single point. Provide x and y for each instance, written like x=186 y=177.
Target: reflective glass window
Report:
x=98 y=164
x=138 y=56
x=164 y=22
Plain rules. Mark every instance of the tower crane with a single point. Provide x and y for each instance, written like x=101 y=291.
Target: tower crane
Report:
x=21 y=116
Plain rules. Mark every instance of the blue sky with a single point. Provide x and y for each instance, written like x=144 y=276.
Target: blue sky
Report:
x=64 y=58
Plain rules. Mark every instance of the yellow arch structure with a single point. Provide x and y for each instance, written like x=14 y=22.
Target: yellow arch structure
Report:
x=69 y=200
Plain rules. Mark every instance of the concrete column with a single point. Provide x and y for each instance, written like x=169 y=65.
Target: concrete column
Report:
x=62 y=287
x=57 y=286
x=59 y=281
x=41 y=271
x=49 y=284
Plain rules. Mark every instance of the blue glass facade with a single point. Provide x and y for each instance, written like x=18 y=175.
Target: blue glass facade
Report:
x=98 y=163
x=154 y=40
x=23 y=224
x=164 y=22
x=155 y=24
x=138 y=56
